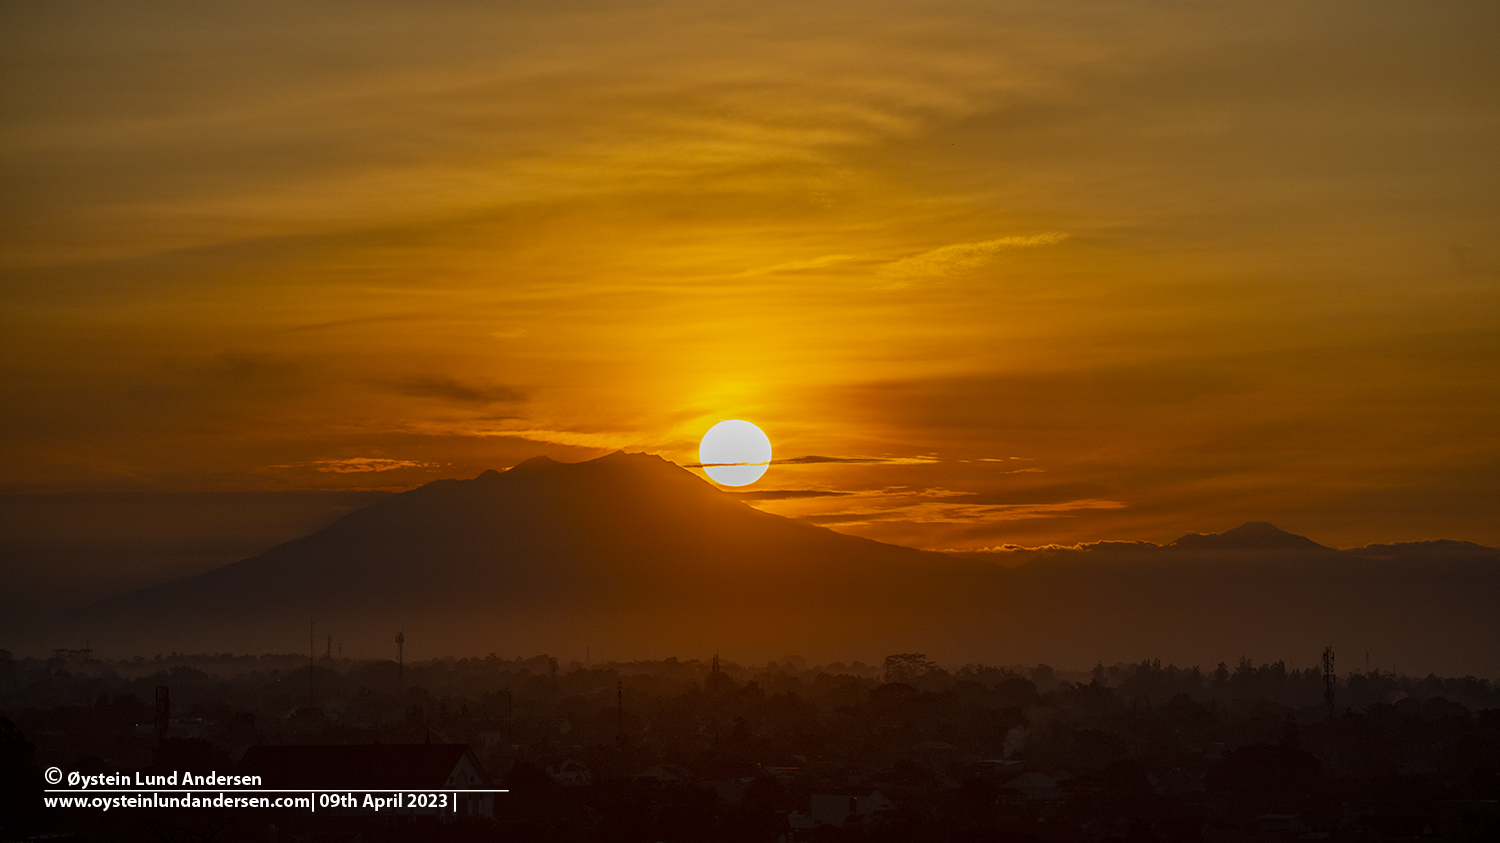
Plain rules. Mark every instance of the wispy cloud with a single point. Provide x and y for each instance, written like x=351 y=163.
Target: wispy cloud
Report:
x=358 y=465
x=947 y=261
x=798 y=266
x=456 y=391
x=786 y=494
x=1046 y=548
x=814 y=459
x=356 y=320
x=608 y=440
x=820 y=460
x=934 y=512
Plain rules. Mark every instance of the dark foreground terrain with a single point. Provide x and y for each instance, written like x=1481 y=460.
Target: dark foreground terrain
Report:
x=690 y=750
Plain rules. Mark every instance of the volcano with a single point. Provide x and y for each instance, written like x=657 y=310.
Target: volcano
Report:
x=631 y=556
x=627 y=552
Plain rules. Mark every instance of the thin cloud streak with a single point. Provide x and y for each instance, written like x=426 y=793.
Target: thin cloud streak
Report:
x=786 y=494
x=358 y=465
x=454 y=390
x=1045 y=548
x=819 y=460
x=947 y=261
x=957 y=513
x=798 y=266
x=609 y=441
x=355 y=321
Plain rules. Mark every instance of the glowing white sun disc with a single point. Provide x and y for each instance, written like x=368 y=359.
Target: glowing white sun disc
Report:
x=735 y=453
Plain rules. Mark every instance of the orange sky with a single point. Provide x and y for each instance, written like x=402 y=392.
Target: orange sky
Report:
x=1080 y=271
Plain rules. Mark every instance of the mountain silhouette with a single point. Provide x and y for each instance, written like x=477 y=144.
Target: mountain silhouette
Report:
x=1254 y=536
x=627 y=551
x=632 y=556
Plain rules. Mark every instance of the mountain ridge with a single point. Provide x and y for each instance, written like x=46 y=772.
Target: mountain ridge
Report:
x=595 y=545
x=631 y=555
x=1252 y=535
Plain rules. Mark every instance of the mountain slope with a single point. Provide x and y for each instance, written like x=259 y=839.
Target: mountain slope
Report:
x=631 y=556
x=626 y=551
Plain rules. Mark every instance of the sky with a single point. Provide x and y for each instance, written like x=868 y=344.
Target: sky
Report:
x=1027 y=273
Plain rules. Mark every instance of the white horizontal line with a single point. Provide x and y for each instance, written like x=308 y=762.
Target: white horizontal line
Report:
x=282 y=790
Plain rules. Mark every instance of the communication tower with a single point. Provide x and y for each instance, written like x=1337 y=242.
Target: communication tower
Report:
x=312 y=662
x=1330 y=679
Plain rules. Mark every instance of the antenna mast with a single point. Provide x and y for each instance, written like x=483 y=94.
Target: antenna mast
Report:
x=1330 y=679
x=401 y=658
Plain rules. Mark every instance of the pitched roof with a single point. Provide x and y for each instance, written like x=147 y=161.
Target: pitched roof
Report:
x=392 y=766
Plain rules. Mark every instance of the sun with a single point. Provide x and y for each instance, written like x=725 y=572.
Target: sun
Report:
x=735 y=453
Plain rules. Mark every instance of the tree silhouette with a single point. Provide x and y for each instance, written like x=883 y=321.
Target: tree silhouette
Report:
x=908 y=667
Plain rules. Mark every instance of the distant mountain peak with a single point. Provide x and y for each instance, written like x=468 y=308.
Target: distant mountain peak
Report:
x=635 y=476
x=619 y=458
x=640 y=458
x=533 y=464
x=1253 y=535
